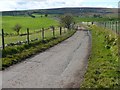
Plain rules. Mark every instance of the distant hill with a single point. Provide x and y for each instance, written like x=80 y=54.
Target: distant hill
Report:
x=76 y=11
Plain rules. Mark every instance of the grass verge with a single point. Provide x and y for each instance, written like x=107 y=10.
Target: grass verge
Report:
x=103 y=68
x=13 y=55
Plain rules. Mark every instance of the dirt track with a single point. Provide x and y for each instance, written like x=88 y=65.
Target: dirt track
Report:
x=62 y=66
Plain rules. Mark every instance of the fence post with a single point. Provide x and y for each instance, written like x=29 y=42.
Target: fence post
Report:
x=3 y=43
x=53 y=31
x=116 y=26
x=60 y=30
x=28 y=35
x=92 y=23
x=113 y=25
x=109 y=25
x=42 y=34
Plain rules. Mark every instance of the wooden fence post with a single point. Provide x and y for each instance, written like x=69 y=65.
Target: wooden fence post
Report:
x=92 y=23
x=116 y=26
x=109 y=25
x=3 y=43
x=113 y=25
x=42 y=34
x=60 y=30
x=28 y=35
x=53 y=31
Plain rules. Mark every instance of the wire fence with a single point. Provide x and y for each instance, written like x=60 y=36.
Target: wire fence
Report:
x=111 y=25
x=27 y=38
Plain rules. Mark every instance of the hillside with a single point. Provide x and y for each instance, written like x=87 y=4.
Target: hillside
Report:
x=76 y=11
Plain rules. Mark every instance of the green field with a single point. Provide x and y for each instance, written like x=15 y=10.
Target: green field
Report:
x=34 y=24
x=89 y=19
x=16 y=53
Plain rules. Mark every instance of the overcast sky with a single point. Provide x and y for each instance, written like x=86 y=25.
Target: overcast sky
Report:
x=8 y=5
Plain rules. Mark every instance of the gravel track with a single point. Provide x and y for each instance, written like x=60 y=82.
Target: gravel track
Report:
x=62 y=66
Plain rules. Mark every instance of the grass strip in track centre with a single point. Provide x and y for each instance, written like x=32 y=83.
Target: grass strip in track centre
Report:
x=27 y=51
x=103 y=68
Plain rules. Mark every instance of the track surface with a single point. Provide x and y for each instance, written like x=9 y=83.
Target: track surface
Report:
x=62 y=66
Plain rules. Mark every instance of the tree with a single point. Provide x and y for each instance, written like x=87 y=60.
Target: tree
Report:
x=46 y=15
x=66 y=20
x=17 y=28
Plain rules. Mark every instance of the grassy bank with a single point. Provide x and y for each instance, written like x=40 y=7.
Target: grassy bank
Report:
x=13 y=55
x=103 y=65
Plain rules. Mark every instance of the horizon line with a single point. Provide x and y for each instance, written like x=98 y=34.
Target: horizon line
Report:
x=58 y=8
